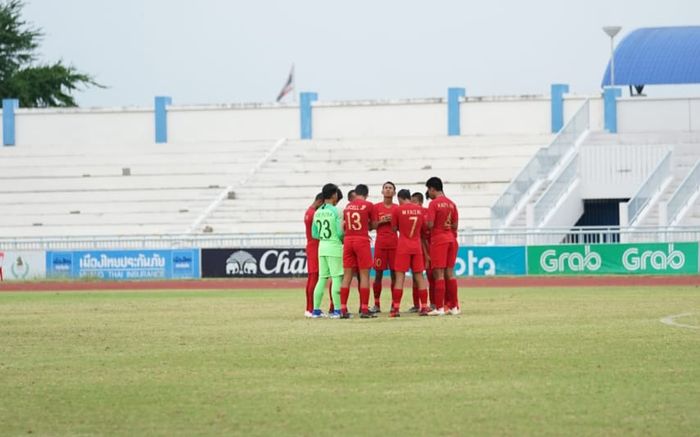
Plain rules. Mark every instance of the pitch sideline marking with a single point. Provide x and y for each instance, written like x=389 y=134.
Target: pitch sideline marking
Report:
x=670 y=322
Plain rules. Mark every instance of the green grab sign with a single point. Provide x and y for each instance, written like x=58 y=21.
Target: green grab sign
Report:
x=606 y=259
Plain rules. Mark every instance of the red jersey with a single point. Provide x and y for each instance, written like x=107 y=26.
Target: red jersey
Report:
x=356 y=219
x=426 y=230
x=442 y=212
x=386 y=237
x=308 y=221
x=410 y=221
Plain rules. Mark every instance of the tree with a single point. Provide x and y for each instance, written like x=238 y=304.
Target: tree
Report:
x=21 y=76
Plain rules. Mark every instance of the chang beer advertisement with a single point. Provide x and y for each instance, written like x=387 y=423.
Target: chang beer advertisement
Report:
x=614 y=259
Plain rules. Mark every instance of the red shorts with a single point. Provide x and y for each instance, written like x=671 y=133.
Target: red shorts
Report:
x=312 y=258
x=443 y=255
x=414 y=261
x=357 y=254
x=384 y=259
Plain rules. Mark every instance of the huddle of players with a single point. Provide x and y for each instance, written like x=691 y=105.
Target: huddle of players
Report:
x=338 y=247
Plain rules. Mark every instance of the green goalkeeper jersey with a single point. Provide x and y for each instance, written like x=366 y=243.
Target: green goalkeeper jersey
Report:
x=327 y=228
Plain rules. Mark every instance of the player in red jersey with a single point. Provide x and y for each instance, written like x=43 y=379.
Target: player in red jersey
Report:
x=417 y=199
x=385 y=244
x=357 y=253
x=355 y=272
x=443 y=219
x=409 y=220
x=311 y=255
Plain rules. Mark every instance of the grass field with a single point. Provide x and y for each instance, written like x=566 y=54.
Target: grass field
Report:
x=573 y=361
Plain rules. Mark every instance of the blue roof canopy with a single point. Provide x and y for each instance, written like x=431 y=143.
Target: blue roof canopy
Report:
x=657 y=55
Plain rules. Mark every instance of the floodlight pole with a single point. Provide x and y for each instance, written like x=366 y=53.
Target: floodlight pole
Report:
x=611 y=31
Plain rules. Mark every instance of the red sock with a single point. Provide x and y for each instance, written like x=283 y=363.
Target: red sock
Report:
x=364 y=299
x=310 y=286
x=377 y=287
x=423 y=295
x=396 y=295
x=439 y=293
x=344 y=295
x=452 y=292
x=448 y=295
x=415 y=295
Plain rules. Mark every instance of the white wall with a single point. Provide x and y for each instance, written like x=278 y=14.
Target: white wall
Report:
x=232 y=123
x=348 y=119
x=386 y=119
x=616 y=171
x=84 y=126
x=490 y=116
x=643 y=114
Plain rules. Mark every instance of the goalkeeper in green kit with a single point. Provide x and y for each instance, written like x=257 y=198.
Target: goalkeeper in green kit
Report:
x=327 y=227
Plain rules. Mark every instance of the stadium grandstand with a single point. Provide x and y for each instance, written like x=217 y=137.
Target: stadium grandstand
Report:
x=523 y=169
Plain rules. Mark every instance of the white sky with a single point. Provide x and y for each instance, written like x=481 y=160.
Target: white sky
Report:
x=228 y=51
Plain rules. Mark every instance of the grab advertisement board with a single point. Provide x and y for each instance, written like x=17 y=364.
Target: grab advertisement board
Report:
x=124 y=264
x=490 y=261
x=607 y=259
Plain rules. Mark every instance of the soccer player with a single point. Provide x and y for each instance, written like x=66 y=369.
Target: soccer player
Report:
x=443 y=220
x=417 y=198
x=385 y=244
x=355 y=272
x=327 y=228
x=357 y=253
x=409 y=220
x=311 y=254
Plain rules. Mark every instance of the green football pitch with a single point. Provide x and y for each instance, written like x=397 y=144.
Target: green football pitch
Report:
x=548 y=361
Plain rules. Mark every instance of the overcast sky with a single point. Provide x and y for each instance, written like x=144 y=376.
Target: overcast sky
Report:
x=229 y=51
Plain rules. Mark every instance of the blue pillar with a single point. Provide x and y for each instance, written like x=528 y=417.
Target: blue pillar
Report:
x=558 y=91
x=8 y=121
x=610 y=95
x=161 y=112
x=453 y=120
x=305 y=100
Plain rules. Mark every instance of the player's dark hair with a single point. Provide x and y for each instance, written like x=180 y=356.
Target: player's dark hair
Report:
x=434 y=182
x=351 y=193
x=362 y=190
x=418 y=196
x=390 y=183
x=329 y=190
x=319 y=196
x=340 y=194
x=404 y=194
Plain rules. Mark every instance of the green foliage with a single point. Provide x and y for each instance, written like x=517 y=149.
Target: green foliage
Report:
x=21 y=76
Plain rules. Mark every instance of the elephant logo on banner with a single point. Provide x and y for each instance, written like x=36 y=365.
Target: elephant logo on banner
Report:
x=241 y=263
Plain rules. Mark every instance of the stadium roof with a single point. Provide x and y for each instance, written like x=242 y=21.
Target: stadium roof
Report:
x=657 y=55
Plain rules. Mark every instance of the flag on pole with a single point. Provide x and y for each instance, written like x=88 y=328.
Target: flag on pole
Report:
x=288 y=86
